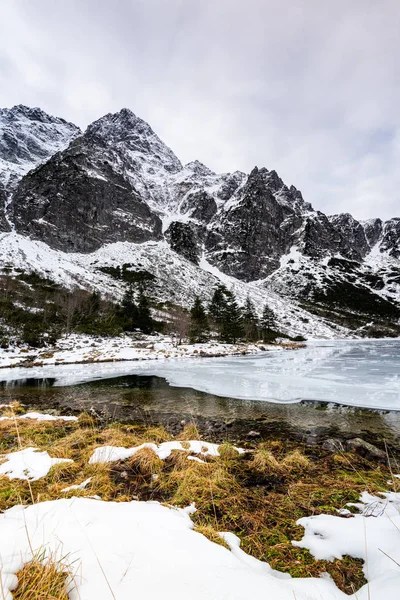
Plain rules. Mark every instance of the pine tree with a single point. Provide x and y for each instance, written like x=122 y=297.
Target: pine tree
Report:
x=217 y=305
x=198 y=322
x=268 y=323
x=129 y=309
x=250 y=320
x=232 y=323
x=145 y=322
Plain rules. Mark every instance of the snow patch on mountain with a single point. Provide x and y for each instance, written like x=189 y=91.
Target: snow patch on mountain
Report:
x=28 y=137
x=177 y=279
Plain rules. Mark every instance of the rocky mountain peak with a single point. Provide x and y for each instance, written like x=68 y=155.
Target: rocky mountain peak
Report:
x=128 y=133
x=198 y=168
x=28 y=137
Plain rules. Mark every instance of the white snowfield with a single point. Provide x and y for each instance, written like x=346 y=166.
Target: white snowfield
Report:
x=144 y=550
x=29 y=464
x=106 y=454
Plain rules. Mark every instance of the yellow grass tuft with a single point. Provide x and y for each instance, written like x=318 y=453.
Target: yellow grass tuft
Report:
x=12 y=409
x=211 y=534
x=145 y=461
x=296 y=461
x=155 y=434
x=264 y=461
x=42 y=580
x=190 y=432
x=227 y=451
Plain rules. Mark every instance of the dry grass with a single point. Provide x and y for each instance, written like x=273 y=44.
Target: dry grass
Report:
x=264 y=461
x=43 y=580
x=12 y=409
x=227 y=451
x=189 y=432
x=296 y=461
x=258 y=496
x=145 y=462
x=211 y=534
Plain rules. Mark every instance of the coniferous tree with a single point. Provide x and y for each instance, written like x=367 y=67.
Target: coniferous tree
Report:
x=232 y=323
x=250 y=320
x=144 y=320
x=129 y=309
x=268 y=323
x=217 y=305
x=198 y=322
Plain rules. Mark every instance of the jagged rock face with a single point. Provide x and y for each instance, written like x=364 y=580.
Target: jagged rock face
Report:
x=391 y=237
x=77 y=202
x=373 y=231
x=28 y=137
x=263 y=220
x=246 y=241
x=119 y=182
x=197 y=192
x=4 y=225
x=353 y=234
x=138 y=154
x=199 y=206
x=183 y=240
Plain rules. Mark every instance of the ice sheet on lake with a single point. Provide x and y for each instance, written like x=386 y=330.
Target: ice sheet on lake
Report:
x=351 y=372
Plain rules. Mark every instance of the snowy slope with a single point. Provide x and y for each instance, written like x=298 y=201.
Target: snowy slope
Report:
x=120 y=195
x=150 y=551
x=177 y=280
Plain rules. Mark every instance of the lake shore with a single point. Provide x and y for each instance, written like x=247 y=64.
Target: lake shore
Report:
x=81 y=349
x=257 y=491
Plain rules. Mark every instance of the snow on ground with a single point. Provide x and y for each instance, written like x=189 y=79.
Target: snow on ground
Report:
x=373 y=535
x=79 y=486
x=177 y=279
x=106 y=454
x=28 y=464
x=83 y=348
x=37 y=416
x=146 y=550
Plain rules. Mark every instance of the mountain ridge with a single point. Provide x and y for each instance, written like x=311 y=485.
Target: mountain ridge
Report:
x=118 y=182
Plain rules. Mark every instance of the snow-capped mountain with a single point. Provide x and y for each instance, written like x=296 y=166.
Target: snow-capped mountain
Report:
x=118 y=183
x=28 y=137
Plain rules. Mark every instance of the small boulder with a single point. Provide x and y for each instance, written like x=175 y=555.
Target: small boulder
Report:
x=333 y=445
x=366 y=450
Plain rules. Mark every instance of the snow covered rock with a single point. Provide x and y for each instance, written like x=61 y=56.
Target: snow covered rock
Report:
x=28 y=137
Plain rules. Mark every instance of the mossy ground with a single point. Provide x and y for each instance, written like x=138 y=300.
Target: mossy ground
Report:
x=258 y=495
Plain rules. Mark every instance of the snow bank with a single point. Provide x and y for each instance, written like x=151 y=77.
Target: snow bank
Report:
x=39 y=417
x=29 y=464
x=373 y=535
x=83 y=348
x=149 y=551
x=106 y=454
x=141 y=550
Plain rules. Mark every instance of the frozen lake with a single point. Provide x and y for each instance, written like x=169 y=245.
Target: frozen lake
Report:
x=364 y=374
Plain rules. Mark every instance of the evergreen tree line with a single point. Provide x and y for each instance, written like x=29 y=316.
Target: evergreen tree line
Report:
x=231 y=321
x=135 y=309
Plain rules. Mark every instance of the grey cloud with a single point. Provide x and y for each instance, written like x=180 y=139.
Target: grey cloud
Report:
x=309 y=88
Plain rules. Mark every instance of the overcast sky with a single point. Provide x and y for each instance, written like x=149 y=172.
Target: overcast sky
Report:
x=310 y=88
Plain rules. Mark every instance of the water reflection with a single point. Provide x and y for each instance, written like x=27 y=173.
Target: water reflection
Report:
x=150 y=399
